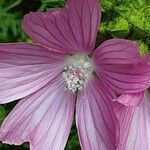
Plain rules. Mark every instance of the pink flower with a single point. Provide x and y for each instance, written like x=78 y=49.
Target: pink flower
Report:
x=132 y=112
x=62 y=70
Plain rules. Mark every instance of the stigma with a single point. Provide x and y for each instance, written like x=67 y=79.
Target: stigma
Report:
x=77 y=72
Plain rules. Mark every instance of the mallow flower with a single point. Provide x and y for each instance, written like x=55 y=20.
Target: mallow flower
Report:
x=61 y=73
x=132 y=112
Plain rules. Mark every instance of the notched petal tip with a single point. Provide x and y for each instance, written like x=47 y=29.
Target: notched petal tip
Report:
x=67 y=30
x=119 y=63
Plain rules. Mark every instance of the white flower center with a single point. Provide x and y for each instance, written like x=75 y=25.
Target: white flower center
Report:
x=77 y=72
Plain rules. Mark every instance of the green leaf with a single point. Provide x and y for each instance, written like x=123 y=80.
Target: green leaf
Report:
x=136 y=12
x=118 y=24
x=10 y=21
x=73 y=141
x=103 y=27
x=13 y=5
x=143 y=47
x=46 y=4
x=108 y=4
x=118 y=27
x=2 y=114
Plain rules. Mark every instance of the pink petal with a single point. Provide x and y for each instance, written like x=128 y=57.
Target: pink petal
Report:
x=134 y=126
x=25 y=68
x=43 y=118
x=118 y=63
x=130 y=99
x=95 y=118
x=125 y=78
x=117 y=51
x=69 y=30
x=146 y=58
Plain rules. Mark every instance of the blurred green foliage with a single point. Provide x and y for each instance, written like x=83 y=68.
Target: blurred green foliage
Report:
x=10 y=21
x=46 y=4
x=128 y=19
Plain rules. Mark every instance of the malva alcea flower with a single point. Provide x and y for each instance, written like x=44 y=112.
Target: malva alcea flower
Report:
x=62 y=70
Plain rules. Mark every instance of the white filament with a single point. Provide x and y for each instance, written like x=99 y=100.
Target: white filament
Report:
x=77 y=72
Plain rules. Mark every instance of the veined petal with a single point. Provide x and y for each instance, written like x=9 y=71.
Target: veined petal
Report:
x=134 y=125
x=43 y=118
x=119 y=64
x=95 y=118
x=68 y=30
x=117 y=51
x=125 y=78
x=25 y=68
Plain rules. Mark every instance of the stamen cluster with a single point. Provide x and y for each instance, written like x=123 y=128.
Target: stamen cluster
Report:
x=77 y=72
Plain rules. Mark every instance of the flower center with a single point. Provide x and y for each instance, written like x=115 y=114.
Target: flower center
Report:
x=77 y=72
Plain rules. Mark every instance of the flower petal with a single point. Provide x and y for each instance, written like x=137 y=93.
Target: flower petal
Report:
x=69 y=30
x=130 y=99
x=134 y=125
x=125 y=78
x=146 y=58
x=25 y=68
x=43 y=118
x=117 y=51
x=119 y=64
x=95 y=118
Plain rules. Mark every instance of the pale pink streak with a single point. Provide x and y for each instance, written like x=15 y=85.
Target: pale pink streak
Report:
x=134 y=125
x=43 y=118
x=25 y=69
x=95 y=118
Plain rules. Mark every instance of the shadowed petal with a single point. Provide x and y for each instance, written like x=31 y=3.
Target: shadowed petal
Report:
x=25 y=68
x=117 y=51
x=68 y=30
x=43 y=118
x=134 y=125
x=95 y=118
